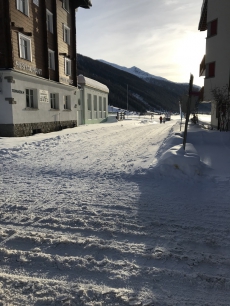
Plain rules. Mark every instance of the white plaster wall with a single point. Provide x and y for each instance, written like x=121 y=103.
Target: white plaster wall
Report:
x=98 y=93
x=218 y=47
x=6 y=116
x=44 y=113
x=95 y=115
x=80 y=108
x=91 y=90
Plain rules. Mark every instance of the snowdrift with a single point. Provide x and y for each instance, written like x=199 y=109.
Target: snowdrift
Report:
x=188 y=160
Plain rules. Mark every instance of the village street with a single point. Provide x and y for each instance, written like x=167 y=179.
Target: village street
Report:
x=91 y=216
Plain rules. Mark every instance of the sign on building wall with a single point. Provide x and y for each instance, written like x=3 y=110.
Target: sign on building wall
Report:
x=23 y=66
x=36 y=2
x=44 y=96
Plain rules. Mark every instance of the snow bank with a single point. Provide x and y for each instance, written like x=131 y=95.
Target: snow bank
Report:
x=111 y=118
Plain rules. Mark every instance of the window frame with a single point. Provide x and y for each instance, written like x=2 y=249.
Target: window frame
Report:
x=54 y=101
x=22 y=53
x=67 y=102
x=19 y=5
x=51 y=60
x=68 y=66
x=33 y=103
x=49 y=21
x=65 y=5
x=66 y=34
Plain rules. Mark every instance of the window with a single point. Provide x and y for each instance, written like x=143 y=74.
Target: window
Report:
x=212 y=28
x=23 y=6
x=36 y=2
x=51 y=55
x=65 y=5
x=100 y=103
x=100 y=107
x=49 y=21
x=66 y=34
x=95 y=102
x=54 y=101
x=89 y=105
x=67 y=102
x=104 y=107
x=25 y=47
x=104 y=102
x=31 y=98
x=67 y=66
x=89 y=102
x=210 y=70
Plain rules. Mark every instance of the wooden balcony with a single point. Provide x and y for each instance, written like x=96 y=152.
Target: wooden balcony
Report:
x=202 y=67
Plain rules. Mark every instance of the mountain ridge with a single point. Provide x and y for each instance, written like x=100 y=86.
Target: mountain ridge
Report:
x=135 y=70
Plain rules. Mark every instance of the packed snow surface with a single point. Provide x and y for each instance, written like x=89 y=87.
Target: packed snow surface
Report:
x=116 y=214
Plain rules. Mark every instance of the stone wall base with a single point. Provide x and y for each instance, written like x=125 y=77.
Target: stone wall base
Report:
x=28 y=129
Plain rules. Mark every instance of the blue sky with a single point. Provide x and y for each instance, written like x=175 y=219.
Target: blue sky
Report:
x=158 y=36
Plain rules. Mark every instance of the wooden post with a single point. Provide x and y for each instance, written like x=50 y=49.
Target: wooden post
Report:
x=188 y=110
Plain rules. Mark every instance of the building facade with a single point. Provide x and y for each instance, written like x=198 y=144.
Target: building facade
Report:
x=215 y=65
x=38 y=73
x=94 y=101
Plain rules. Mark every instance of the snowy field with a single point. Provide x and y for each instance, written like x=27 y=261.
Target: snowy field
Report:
x=116 y=214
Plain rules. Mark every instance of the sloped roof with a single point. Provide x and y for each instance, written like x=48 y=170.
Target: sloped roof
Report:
x=82 y=80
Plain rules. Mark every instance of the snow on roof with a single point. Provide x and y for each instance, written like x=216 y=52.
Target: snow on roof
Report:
x=82 y=80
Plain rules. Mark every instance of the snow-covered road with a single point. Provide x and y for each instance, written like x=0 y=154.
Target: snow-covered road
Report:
x=88 y=217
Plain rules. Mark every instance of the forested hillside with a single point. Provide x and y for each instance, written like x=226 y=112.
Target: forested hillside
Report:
x=143 y=95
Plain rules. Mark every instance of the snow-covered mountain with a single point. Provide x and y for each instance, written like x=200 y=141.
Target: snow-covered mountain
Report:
x=136 y=71
x=150 y=78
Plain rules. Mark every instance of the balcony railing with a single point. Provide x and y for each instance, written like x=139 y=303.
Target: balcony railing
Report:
x=202 y=67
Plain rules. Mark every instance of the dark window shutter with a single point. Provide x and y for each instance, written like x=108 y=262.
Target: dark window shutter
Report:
x=213 y=28
x=212 y=70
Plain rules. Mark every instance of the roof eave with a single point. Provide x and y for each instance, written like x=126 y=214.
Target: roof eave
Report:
x=203 y=18
x=86 y=4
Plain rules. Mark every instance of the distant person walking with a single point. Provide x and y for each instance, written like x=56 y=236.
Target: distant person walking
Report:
x=163 y=119
x=160 y=119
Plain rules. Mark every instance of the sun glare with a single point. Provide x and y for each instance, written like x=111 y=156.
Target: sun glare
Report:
x=189 y=54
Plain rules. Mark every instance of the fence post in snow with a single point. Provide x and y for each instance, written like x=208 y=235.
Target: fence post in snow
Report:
x=188 y=110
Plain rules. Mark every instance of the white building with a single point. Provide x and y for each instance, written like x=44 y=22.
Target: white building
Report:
x=215 y=66
x=93 y=101
x=30 y=104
